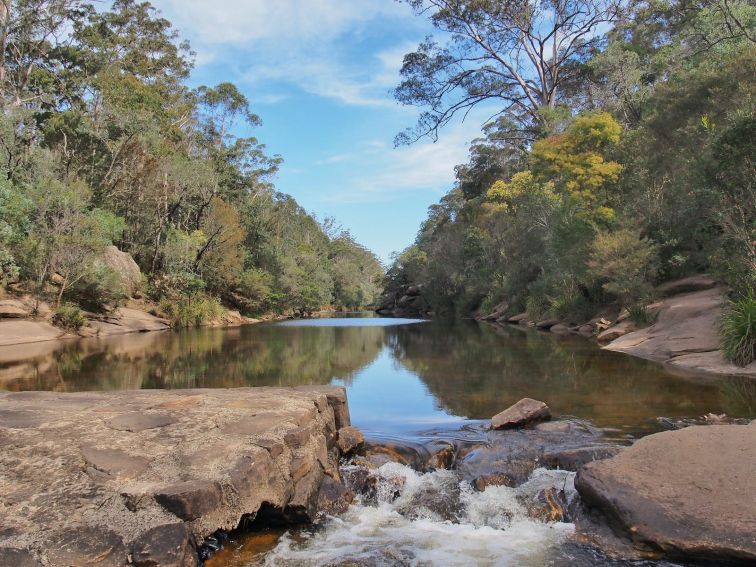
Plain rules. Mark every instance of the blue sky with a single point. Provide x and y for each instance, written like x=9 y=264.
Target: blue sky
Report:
x=319 y=72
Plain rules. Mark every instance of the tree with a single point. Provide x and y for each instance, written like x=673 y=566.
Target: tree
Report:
x=514 y=54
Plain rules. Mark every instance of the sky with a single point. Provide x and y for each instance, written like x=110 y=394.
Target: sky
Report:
x=319 y=74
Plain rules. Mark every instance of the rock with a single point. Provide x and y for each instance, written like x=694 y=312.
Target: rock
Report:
x=616 y=331
x=549 y=505
x=125 y=267
x=442 y=459
x=497 y=479
x=410 y=454
x=190 y=500
x=560 y=329
x=547 y=323
x=21 y=332
x=525 y=411
x=497 y=312
x=689 y=493
x=13 y=309
x=518 y=318
x=334 y=498
x=509 y=457
x=701 y=282
x=573 y=459
x=156 y=465
x=586 y=330
x=684 y=335
x=86 y=545
x=170 y=545
x=350 y=440
x=15 y=557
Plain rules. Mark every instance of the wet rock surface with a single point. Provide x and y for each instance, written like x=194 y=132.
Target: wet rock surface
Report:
x=527 y=410
x=689 y=493
x=96 y=478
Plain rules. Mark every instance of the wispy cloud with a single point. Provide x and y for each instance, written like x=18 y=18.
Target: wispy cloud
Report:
x=300 y=43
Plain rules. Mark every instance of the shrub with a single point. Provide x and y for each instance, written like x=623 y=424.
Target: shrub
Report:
x=738 y=330
x=69 y=317
x=639 y=315
x=624 y=263
x=100 y=286
x=192 y=310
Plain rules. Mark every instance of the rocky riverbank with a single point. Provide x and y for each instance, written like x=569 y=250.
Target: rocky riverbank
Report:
x=144 y=476
x=682 y=332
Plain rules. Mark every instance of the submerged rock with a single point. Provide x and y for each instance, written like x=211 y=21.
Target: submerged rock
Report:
x=689 y=493
x=525 y=411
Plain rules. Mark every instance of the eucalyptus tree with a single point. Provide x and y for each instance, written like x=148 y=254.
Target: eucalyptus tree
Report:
x=516 y=55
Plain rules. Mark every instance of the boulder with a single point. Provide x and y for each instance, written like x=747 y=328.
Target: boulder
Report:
x=497 y=312
x=171 y=545
x=547 y=323
x=525 y=411
x=518 y=318
x=689 y=493
x=13 y=309
x=616 y=331
x=700 y=282
x=350 y=439
x=560 y=329
x=124 y=265
x=334 y=498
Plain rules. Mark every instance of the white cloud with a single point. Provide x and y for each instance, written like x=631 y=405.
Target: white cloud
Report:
x=387 y=172
x=306 y=44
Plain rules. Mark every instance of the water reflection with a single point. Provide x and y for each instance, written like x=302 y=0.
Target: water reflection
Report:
x=402 y=377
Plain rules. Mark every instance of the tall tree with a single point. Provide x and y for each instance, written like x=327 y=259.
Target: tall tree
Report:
x=516 y=54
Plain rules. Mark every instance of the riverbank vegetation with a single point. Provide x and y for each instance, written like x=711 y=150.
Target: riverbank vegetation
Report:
x=103 y=142
x=620 y=153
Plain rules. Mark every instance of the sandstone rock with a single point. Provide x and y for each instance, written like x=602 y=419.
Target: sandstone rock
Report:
x=350 y=440
x=690 y=284
x=124 y=265
x=690 y=493
x=586 y=330
x=170 y=545
x=547 y=323
x=560 y=329
x=442 y=459
x=508 y=457
x=15 y=557
x=573 y=459
x=13 y=309
x=190 y=500
x=334 y=498
x=616 y=331
x=549 y=505
x=497 y=312
x=21 y=332
x=152 y=460
x=518 y=318
x=684 y=335
x=525 y=411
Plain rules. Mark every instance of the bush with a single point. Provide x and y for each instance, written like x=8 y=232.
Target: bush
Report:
x=192 y=310
x=100 y=286
x=69 y=317
x=738 y=331
x=624 y=263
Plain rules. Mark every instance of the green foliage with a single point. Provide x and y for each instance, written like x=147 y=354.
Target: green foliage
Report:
x=738 y=331
x=624 y=264
x=191 y=310
x=102 y=141
x=99 y=288
x=69 y=317
x=639 y=315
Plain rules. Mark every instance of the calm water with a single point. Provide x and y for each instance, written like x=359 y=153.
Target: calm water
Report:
x=404 y=377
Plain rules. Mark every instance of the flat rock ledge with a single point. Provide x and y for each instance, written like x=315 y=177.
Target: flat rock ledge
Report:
x=690 y=494
x=142 y=477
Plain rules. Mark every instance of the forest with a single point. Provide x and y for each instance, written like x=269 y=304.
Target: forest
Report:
x=620 y=152
x=103 y=142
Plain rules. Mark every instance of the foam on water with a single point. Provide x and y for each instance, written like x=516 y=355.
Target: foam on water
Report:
x=489 y=528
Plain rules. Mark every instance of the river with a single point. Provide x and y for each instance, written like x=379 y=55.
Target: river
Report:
x=406 y=380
